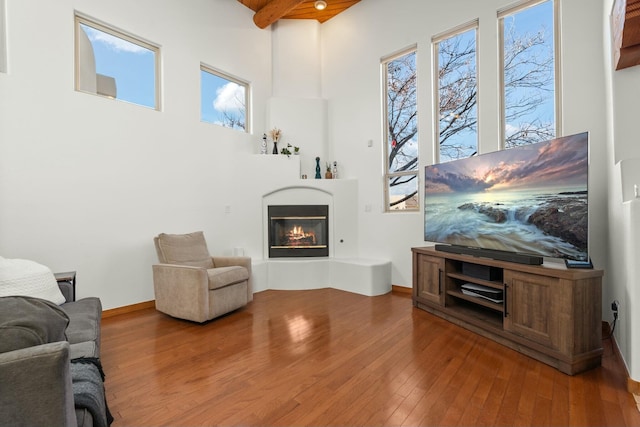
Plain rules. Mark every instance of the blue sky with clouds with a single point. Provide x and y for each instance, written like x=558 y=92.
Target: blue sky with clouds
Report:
x=133 y=68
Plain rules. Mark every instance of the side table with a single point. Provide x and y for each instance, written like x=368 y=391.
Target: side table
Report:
x=67 y=276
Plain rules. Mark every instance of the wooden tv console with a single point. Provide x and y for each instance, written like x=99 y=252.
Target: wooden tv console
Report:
x=551 y=314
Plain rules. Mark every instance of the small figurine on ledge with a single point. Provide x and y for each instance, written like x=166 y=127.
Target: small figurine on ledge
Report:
x=328 y=174
x=335 y=170
x=318 y=168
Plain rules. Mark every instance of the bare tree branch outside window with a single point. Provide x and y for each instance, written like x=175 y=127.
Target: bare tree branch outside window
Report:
x=402 y=132
x=529 y=94
x=529 y=83
x=457 y=96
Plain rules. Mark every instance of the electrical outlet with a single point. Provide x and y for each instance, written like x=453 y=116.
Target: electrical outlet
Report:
x=615 y=308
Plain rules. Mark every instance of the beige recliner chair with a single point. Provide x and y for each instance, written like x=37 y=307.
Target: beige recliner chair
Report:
x=191 y=284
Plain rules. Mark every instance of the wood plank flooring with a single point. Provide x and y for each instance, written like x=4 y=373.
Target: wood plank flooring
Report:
x=327 y=358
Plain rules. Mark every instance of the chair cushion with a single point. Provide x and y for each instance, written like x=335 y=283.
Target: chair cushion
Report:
x=185 y=249
x=225 y=276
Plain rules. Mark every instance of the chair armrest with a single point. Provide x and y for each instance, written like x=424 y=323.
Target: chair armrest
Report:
x=228 y=261
x=242 y=261
x=36 y=386
x=182 y=291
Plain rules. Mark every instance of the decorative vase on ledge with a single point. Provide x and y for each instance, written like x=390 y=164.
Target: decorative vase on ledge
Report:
x=275 y=147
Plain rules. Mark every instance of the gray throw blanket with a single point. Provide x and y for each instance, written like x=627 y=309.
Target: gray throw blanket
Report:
x=88 y=390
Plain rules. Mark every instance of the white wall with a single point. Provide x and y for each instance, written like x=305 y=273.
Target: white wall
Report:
x=297 y=64
x=86 y=182
x=296 y=106
x=623 y=153
x=353 y=44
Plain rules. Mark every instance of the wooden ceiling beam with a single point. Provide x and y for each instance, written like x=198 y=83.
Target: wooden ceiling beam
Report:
x=297 y=10
x=273 y=11
x=626 y=33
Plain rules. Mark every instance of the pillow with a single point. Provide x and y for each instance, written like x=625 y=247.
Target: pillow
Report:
x=28 y=278
x=185 y=249
x=27 y=322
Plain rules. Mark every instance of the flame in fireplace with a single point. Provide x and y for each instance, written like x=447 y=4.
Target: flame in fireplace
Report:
x=297 y=236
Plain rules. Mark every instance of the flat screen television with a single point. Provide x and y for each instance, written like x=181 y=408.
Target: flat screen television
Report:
x=530 y=200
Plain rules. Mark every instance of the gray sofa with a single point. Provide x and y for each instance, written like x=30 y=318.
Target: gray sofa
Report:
x=45 y=379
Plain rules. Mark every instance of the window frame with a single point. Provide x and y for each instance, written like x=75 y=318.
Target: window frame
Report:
x=384 y=61
x=80 y=18
x=237 y=80
x=435 y=40
x=557 y=60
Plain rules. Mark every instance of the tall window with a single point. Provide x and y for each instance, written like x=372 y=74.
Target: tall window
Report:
x=530 y=97
x=455 y=64
x=401 y=131
x=223 y=99
x=116 y=65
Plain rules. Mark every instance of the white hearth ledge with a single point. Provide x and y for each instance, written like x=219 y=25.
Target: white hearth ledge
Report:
x=363 y=276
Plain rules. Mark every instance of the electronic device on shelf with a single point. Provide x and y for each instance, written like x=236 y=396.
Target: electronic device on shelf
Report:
x=474 y=290
x=519 y=205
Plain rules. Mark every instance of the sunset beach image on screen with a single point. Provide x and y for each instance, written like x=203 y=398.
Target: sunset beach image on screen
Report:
x=531 y=199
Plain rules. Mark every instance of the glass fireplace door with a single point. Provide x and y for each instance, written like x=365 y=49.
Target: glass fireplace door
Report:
x=298 y=231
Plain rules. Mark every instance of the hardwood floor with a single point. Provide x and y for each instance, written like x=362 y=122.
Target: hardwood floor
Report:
x=328 y=357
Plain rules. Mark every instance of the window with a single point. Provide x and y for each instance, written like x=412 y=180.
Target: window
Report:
x=223 y=99
x=116 y=65
x=530 y=96
x=401 y=131
x=455 y=64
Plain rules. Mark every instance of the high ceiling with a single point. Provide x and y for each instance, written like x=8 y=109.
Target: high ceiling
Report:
x=626 y=21
x=270 y=11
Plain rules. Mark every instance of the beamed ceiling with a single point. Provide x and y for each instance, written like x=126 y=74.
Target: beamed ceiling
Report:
x=269 y=11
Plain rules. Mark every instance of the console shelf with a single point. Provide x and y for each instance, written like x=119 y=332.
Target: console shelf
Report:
x=550 y=314
x=475 y=300
x=465 y=278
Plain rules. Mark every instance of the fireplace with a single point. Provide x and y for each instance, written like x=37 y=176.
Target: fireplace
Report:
x=298 y=231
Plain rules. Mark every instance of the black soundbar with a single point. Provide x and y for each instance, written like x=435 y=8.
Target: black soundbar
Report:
x=492 y=254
